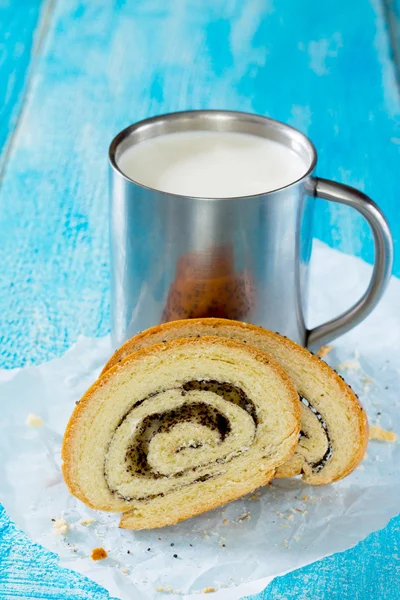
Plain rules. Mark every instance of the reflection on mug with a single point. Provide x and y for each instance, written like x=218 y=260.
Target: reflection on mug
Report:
x=206 y=285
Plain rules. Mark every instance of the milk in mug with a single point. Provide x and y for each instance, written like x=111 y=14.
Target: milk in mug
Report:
x=211 y=164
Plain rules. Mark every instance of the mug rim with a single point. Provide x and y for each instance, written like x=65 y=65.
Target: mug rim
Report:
x=149 y=122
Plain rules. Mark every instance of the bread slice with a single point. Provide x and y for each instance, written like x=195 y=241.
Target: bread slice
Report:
x=179 y=428
x=334 y=428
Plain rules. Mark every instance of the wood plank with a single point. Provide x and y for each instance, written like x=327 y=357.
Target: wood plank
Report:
x=392 y=16
x=18 y=28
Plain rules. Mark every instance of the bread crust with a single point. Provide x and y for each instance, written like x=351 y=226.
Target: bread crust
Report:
x=354 y=405
x=67 y=453
x=153 y=520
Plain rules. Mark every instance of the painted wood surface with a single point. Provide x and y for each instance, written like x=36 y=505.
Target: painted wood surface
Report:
x=20 y=32
x=392 y=16
x=326 y=68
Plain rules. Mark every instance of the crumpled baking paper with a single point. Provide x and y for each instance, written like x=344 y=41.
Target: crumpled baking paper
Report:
x=236 y=549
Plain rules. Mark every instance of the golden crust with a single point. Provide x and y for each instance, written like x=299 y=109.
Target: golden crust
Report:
x=130 y=519
x=290 y=469
x=79 y=411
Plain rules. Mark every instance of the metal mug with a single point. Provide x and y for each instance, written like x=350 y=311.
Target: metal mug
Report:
x=242 y=258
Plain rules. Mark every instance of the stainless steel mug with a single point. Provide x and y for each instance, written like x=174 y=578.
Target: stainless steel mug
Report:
x=242 y=258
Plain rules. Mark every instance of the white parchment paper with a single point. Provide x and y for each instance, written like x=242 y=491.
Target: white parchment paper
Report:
x=236 y=549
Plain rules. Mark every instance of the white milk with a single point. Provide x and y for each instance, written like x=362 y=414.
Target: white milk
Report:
x=212 y=164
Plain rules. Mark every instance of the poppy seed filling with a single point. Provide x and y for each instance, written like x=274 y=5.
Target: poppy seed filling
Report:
x=320 y=464
x=204 y=414
x=136 y=461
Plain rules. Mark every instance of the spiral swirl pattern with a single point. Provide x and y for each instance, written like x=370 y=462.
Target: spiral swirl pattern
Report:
x=180 y=428
x=181 y=439
x=334 y=427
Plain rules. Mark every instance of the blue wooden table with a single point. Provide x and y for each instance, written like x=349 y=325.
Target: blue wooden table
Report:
x=72 y=74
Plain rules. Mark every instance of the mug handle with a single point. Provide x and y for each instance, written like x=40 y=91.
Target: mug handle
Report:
x=383 y=243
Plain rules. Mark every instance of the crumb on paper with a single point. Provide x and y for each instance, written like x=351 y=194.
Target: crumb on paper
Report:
x=324 y=350
x=305 y=498
x=209 y=590
x=87 y=521
x=348 y=365
x=98 y=554
x=255 y=496
x=225 y=521
x=245 y=516
x=367 y=380
x=314 y=499
x=285 y=543
x=298 y=510
x=34 y=420
x=125 y=571
x=289 y=516
x=60 y=527
x=382 y=435
x=167 y=588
